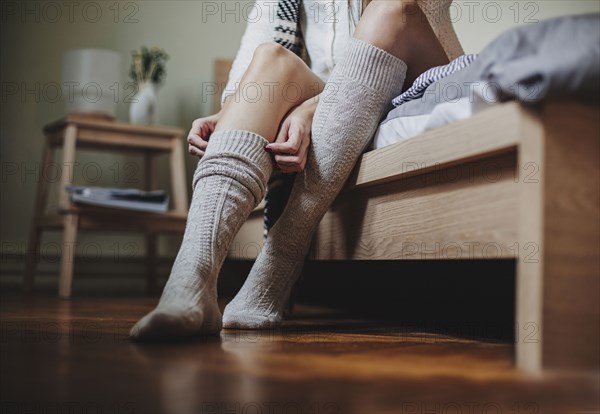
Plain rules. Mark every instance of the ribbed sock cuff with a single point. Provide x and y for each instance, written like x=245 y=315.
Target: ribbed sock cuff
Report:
x=238 y=142
x=373 y=67
x=240 y=155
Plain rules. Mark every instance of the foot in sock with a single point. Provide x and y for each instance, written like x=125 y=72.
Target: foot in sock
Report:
x=228 y=184
x=358 y=92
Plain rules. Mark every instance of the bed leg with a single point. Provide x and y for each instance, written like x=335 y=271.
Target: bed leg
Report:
x=558 y=270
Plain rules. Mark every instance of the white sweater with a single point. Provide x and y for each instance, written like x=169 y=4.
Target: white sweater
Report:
x=327 y=26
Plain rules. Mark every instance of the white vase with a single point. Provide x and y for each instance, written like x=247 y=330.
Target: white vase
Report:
x=144 y=106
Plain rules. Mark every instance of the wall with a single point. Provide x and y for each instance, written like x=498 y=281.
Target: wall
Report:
x=34 y=36
x=479 y=22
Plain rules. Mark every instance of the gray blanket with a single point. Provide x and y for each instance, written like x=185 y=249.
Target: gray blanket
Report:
x=551 y=60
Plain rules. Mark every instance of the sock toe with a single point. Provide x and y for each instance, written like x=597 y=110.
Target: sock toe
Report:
x=247 y=320
x=163 y=324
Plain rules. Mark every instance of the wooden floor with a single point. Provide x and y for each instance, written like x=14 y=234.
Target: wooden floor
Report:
x=74 y=356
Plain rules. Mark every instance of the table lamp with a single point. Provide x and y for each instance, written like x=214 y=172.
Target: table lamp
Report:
x=91 y=82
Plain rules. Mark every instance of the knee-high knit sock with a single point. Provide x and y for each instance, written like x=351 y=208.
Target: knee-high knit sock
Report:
x=358 y=91
x=229 y=182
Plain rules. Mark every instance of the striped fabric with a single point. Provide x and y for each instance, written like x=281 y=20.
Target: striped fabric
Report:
x=431 y=76
x=287 y=32
x=279 y=189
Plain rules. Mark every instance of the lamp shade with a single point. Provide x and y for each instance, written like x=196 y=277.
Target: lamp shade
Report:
x=91 y=81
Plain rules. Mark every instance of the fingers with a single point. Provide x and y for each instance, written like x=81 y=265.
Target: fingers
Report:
x=197 y=146
x=199 y=135
x=292 y=144
x=195 y=151
x=291 y=163
x=196 y=141
x=298 y=142
x=294 y=162
x=203 y=127
x=282 y=134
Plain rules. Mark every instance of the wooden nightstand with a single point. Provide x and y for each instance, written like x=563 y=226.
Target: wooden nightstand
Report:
x=82 y=132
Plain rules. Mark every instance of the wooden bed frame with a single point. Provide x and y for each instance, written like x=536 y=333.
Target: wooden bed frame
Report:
x=512 y=182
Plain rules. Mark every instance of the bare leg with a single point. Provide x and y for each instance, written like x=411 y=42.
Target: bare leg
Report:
x=363 y=84
x=401 y=28
x=229 y=182
x=276 y=81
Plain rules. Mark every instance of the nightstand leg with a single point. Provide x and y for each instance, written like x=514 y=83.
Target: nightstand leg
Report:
x=68 y=163
x=33 y=248
x=68 y=255
x=151 y=263
x=35 y=233
x=178 y=180
x=151 y=238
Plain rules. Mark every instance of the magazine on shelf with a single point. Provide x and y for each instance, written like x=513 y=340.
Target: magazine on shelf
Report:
x=122 y=198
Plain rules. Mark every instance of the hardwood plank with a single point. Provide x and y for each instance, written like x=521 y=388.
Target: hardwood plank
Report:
x=320 y=361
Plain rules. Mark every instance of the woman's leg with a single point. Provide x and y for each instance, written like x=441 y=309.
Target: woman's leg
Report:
x=402 y=29
x=229 y=182
x=276 y=81
x=354 y=100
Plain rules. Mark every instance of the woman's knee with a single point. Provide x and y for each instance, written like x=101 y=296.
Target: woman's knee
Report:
x=273 y=56
x=389 y=23
x=274 y=60
x=271 y=50
x=393 y=11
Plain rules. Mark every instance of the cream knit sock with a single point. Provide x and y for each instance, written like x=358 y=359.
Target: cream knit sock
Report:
x=355 y=98
x=229 y=182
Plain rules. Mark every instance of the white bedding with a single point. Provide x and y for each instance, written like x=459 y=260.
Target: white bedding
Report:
x=399 y=129
x=392 y=131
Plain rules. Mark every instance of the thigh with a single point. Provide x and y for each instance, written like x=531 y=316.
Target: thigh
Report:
x=401 y=28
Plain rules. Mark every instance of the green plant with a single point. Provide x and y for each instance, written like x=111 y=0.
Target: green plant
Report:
x=148 y=65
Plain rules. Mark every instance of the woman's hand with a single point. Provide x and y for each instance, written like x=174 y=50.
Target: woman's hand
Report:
x=293 y=139
x=201 y=130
